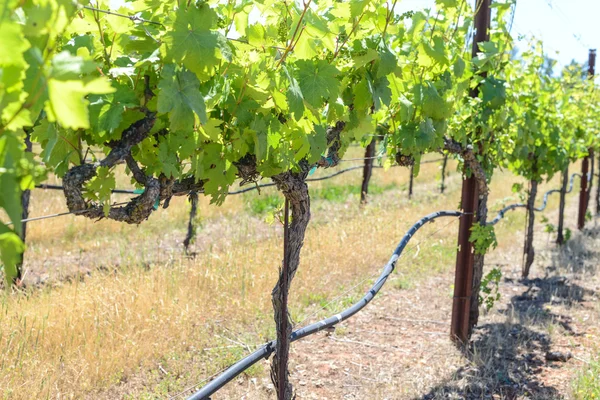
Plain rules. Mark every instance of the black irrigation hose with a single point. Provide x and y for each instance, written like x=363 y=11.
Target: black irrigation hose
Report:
x=266 y=350
x=541 y=208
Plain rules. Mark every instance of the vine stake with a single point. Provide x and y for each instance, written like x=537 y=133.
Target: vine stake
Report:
x=584 y=192
x=463 y=284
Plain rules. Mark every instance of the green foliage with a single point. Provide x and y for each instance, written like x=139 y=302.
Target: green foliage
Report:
x=100 y=187
x=269 y=203
x=490 y=288
x=549 y=228
x=224 y=87
x=483 y=237
x=568 y=234
x=263 y=204
x=587 y=383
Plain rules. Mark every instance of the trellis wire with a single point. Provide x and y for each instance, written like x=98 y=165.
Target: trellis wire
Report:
x=63 y=214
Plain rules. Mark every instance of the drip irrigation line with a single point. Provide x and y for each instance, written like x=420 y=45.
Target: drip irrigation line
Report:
x=540 y=208
x=267 y=349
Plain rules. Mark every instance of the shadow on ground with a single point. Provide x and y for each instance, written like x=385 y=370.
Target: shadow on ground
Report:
x=507 y=359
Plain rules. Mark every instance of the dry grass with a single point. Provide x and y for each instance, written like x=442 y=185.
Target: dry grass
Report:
x=151 y=306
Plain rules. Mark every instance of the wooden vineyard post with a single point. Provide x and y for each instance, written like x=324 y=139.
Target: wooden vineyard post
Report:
x=584 y=193
x=592 y=156
x=463 y=280
x=598 y=188
x=560 y=239
x=461 y=303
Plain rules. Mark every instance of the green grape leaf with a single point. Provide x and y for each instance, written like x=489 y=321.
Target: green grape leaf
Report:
x=294 y=96
x=11 y=151
x=106 y=111
x=317 y=81
x=180 y=96
x=67 y=103
x=11 y=248
x=59 y=147
x=363 y=97
x=12 y=45
x=318 y=143
x=432 y=103
x=256 y=35
x=459 y=67
x=211 y=130
x=192 y=42
x=357 y=7
x=494 y=92
x=388 y=63
x=100 y=187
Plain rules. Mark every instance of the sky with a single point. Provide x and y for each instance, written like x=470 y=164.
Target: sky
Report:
x=568 y=28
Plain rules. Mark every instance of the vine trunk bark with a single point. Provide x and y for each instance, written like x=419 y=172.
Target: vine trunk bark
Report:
x=444 y=165
x=25 y=197
x=295 y=190
x=591 y=184
x=598 y=189
x=528 y=251
x=191 y=232
x=367 y=171
x=410 y=181
x=560 y=239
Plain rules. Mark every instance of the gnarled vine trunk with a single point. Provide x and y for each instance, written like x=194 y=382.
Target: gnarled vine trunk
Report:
x=598 y=189
x=25 y=197
x=191 y=232
x=560 y=239
x=367 y=171
x=411 y=180
x=528 y=250
x=591 y=184
x=444 y=165
x=293 y=186
x=295 y=190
